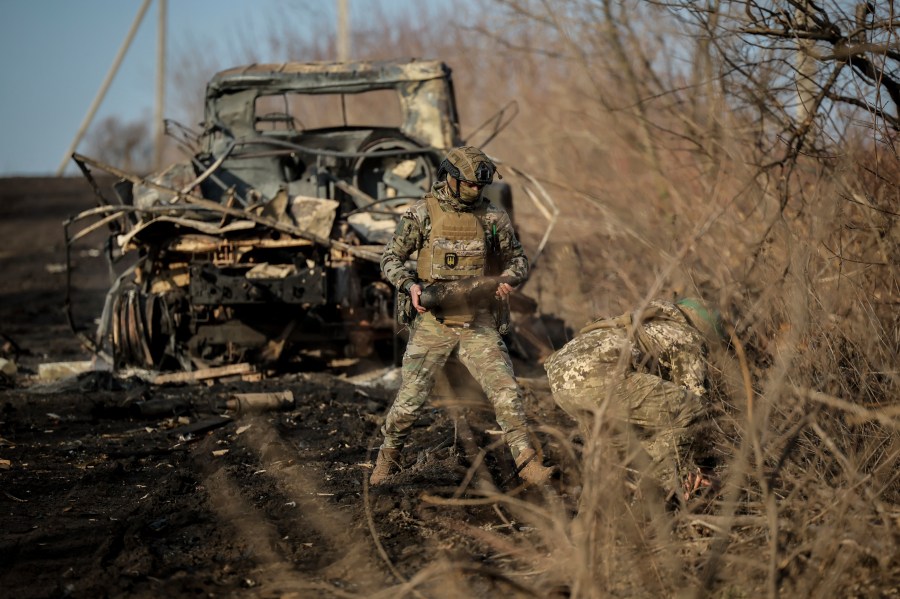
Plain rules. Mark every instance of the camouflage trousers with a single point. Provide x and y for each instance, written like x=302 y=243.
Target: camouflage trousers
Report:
x=482 y=351
x=637 y=407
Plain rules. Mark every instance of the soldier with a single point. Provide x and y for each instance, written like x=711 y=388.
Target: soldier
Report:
x=458 y=234
x=648 y=374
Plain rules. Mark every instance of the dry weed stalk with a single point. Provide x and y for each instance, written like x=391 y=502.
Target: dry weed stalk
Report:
x=672 y=136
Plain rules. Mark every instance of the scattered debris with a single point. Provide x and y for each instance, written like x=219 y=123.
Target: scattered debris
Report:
x=55 y=371
x=239 y=403
x=8 y=367
x=201 y=426
x=55 y=269
x=201 y=375
x=386 y=378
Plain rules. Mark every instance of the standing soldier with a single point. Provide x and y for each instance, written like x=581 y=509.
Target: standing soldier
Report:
x=647 y=372
x=458 y=234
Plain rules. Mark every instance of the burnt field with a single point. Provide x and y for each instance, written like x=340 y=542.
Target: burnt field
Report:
x=112 y=487
x=102 y=496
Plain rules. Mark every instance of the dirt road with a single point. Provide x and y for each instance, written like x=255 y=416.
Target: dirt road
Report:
x=97 y=499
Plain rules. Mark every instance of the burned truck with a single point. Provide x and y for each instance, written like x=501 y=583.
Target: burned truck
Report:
x=265 y=244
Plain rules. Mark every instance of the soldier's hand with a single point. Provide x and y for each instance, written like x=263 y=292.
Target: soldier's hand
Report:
x=504 y=289
x=414 y=292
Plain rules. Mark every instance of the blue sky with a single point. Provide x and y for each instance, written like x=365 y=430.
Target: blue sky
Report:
x=55 y=54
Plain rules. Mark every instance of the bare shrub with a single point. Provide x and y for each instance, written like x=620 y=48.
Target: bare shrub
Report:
x=126 y=145
x=672 y=137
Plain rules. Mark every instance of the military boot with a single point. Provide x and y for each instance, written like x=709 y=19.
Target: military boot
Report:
x=531 y=470
x=386 y=464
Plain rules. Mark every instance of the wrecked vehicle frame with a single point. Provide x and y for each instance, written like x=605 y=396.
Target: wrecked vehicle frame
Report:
x=265 y=245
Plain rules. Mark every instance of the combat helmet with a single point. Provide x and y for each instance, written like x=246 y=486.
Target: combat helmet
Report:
x=703 y=318
x=470 y=165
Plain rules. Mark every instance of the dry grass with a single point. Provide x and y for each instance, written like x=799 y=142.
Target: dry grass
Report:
x=669 y=200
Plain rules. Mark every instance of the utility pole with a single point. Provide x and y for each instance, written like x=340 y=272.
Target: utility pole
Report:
x=160 y=131
x=807 y=89
x=343 y=31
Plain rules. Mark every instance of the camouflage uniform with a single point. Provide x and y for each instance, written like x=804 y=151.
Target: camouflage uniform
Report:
x=653 y=381
x=479 y=344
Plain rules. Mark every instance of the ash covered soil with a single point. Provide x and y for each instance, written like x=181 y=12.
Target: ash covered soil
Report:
x=98 y=499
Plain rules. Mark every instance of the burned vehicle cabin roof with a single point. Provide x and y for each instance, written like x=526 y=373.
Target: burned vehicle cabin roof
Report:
x=425 y=89
x=325 y=77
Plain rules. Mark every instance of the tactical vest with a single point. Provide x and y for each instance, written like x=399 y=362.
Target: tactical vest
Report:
x=455 y=249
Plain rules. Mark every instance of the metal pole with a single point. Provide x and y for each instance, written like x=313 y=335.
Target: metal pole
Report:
x=343 y=33
x=807 y=90
x=159 y=136
x=103 y=87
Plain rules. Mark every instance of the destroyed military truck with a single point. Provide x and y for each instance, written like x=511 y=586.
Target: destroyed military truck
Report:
x=266 y=243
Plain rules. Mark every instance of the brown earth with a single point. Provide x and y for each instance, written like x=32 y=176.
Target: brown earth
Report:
x=98 y=500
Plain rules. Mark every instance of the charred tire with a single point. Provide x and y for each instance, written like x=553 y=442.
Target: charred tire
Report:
x=140 y=328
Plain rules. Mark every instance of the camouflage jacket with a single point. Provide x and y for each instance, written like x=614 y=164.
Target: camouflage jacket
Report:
x=665 y=344
x=414 y=229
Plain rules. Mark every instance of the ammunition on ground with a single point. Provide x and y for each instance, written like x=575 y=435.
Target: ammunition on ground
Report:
x=260 y=402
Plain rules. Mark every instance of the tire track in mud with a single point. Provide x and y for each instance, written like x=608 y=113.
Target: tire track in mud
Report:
x=297 y=537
